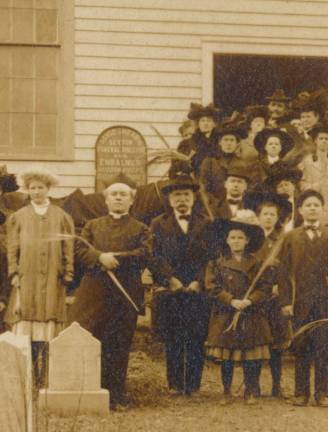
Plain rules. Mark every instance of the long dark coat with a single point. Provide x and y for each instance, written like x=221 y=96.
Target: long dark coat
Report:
x=305 y=262
x=228 y=279
x=183 y=256
x=106 y=234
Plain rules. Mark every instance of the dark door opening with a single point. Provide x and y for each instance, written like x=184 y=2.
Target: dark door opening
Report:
x=241 y=80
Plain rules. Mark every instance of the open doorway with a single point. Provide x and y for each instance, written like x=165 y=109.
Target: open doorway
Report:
x=241 y=80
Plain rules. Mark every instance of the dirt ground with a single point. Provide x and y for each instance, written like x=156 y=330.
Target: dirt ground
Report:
x=154 y=410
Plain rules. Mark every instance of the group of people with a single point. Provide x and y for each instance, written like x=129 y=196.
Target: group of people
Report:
x=238 y=258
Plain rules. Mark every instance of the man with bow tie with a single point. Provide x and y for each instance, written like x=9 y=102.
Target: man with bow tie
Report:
x=120 y=244
x=303 y=289
x=180 y=254
x=236 y=184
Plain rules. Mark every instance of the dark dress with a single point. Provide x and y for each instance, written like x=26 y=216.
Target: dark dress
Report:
x=227 y=279
x=100 y=307
x=181 y=317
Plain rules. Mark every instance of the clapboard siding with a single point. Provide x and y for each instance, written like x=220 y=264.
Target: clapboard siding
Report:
x=108 y=102
x=138 y=63
x=107 y=15
x=95 y=127
x=272 y=7
x=131 y=91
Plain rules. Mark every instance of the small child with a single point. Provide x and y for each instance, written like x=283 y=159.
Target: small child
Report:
x=228 y=278
x=303 y=290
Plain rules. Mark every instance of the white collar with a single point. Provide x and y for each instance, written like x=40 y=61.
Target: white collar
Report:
x=41 y=206
x=117 y=215
x=273 y=159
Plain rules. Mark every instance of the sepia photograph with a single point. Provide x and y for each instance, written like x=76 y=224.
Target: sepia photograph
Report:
x=163 y=215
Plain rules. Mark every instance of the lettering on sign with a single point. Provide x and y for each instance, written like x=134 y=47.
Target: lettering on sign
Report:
x=120 y=149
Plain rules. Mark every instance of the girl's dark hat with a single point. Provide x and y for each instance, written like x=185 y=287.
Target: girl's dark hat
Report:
x=180 y=182
x=286 y=140
x=318 y=129
x=282 y=171
x=198 y=111
x=278 y=96
x=255 y=234
x=253 y=200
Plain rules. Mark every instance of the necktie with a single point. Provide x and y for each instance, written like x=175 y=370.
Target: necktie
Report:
x=184 y=217
x=314 y=230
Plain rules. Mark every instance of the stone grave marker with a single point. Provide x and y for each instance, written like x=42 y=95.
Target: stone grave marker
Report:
x=120 y=149
x=74 y=375
x=16 y=382
x=13 y=415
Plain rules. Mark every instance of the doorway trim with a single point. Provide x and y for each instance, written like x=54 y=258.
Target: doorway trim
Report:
x=252 y=45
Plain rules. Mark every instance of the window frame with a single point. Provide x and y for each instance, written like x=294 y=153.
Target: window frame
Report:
x=255 y=46
x=64 y=150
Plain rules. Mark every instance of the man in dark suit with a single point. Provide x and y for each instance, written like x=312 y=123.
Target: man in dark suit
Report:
x=303 y=292
x=120 y=244
x=236 y=184
x=180 y=255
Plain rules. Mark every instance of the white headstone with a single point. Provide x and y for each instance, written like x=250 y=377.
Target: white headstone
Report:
x=12 y=384
x=22 y=345
x=74 y=374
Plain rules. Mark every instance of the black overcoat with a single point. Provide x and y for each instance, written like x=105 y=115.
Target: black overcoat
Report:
x=183 y=256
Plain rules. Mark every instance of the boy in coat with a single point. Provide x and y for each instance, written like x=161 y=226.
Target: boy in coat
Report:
x=178 y=264
x=303 y=289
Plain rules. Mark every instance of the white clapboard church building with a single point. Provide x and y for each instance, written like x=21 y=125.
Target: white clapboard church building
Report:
x=70 y=69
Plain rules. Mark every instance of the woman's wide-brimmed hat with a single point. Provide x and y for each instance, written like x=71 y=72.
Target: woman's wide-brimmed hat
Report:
x=7 y=181
x=180 y=182
x=253 y=231
x=42 y=175
x=234 y=125
x=254 y=199
x=282 y=171
x=198 y=111
x=261 y=138
x=278 y=96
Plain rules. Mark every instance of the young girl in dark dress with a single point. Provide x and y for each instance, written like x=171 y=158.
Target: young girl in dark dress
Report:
x=228 y=279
